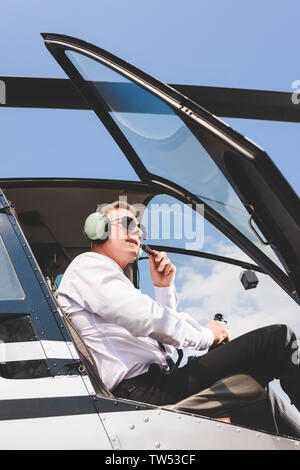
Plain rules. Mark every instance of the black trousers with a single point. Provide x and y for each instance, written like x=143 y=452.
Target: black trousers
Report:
x=267 y=353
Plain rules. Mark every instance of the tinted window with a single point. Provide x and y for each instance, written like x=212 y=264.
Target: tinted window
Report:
x=10 y=287
x=21 y=353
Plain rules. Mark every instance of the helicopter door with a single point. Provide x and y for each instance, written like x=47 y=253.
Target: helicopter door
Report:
x=184 y=150
x=41 y=390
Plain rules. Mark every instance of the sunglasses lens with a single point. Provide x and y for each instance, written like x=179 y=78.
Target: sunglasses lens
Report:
x=144 y=231
x=130 y=225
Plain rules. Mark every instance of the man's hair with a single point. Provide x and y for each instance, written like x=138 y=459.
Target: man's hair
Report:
x=118 y=205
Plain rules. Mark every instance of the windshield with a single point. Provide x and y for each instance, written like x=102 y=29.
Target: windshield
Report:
x=165 y=145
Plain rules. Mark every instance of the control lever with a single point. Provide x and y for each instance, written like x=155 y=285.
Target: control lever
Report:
x=219 y=317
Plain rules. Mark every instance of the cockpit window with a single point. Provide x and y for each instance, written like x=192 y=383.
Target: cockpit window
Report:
x=10 y=287
x=21 y=352
x=165 y=144
x=171 y=223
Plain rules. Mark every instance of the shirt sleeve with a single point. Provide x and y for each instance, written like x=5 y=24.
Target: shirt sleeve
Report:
x=103 y=289
x=166 y=296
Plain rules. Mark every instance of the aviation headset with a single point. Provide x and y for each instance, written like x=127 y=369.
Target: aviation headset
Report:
x=97 y=228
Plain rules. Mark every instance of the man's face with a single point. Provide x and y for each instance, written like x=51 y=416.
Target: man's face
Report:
x=123 y=244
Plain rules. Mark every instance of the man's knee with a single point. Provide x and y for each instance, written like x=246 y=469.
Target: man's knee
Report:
x=284 y=338
x=280 y=330
x=285 y=331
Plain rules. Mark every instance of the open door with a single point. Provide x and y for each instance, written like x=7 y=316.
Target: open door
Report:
x=185 y=151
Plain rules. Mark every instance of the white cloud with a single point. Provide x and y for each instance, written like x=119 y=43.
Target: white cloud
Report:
x=205 y=288
x=217 y=288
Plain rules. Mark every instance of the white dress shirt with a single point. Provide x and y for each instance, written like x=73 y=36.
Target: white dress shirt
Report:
x=120 y=325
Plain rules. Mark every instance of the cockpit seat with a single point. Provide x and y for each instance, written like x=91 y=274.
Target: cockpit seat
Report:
x=239 y=397
x=58 y=281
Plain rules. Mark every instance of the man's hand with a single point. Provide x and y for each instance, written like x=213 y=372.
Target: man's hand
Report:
x=220 y=331
x=161 y=269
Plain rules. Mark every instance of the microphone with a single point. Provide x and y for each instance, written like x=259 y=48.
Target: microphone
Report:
x=147 y=249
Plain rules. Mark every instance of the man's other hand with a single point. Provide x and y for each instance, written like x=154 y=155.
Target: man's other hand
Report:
x=220 y=331
x=161 y=269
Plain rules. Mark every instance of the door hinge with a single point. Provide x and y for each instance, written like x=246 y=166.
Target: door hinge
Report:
x=5 y=210
x=75 y=365
x=6 y=207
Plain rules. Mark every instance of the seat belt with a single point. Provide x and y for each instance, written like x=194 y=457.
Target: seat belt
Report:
x=172 y=365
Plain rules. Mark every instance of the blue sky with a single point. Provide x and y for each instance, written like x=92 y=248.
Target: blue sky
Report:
x=228 y=44
x=216 y=43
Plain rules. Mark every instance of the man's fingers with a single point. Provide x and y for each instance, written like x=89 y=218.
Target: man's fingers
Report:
x=163 y=264
x=160 y=260
x=167 y=269
x=226 y=334
x=219 y=329
x=170 y=268
x=160 y=256
x=228 y=337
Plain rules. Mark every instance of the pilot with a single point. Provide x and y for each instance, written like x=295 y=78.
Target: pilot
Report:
x=132 y=336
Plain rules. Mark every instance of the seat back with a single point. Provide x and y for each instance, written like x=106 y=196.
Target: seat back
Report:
x=85 y=356
x=82 y=349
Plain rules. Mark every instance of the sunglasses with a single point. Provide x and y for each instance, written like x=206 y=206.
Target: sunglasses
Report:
x=131 y=225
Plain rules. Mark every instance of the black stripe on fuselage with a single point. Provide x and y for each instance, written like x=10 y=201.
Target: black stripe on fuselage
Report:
x=28 y=408
x=45 y=407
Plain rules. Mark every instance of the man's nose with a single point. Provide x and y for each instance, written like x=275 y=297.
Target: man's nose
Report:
x=138 y=231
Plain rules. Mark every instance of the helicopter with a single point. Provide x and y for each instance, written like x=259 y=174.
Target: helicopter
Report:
x=50 y=388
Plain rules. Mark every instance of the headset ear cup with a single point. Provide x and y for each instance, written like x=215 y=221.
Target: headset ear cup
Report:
x=97 y=227
x=138 y=255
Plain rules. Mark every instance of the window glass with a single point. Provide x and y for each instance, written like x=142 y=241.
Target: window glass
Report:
x=172 y=223
x=10 y=287
x=165 y=145
x=21 y=353
x=278 y=139
x=206 y=287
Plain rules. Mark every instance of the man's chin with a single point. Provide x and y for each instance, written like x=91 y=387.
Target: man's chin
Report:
x=132 y=258
x=132 y=252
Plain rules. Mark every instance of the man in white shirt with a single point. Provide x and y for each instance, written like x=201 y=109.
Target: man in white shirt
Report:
x=125 y=329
